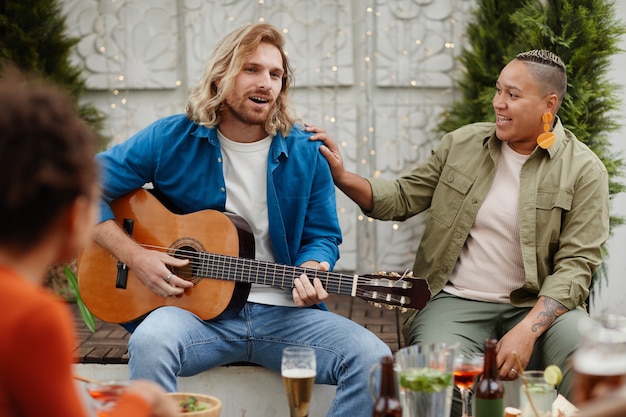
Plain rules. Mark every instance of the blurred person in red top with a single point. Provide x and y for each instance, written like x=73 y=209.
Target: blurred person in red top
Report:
x=48 y=189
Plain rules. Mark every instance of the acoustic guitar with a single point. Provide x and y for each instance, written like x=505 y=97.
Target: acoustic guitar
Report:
x=220 y=248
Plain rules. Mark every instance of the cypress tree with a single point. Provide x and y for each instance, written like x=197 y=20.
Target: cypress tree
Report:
x=33 y=36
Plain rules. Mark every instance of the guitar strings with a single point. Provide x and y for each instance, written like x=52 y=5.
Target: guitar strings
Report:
x=334 y=281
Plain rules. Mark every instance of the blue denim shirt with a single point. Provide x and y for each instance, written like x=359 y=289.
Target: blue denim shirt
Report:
x=183 y=161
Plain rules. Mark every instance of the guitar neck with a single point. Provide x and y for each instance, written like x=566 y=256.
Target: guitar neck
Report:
x=252 y=271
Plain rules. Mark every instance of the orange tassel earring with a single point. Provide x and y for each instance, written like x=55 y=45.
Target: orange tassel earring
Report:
x=546 y=139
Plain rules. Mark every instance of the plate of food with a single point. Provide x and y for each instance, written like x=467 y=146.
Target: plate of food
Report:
x=197 y=405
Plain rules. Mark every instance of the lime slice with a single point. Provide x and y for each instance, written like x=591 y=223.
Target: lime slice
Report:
x=553 y=375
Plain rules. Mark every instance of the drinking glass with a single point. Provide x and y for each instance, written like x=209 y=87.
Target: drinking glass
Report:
x=536 y=396
x=599 y=363
x=104 y=395
x=298 y=372
x=467 y=367
x=425 y=379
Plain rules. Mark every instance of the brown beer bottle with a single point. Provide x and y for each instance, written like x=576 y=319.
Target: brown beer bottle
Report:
x=387 y=404
x=489 y=396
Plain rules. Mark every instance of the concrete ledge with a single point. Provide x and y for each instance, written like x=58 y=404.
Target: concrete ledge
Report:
x=245 y=391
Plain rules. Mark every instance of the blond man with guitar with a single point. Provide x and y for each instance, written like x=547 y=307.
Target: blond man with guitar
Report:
x=238 y=150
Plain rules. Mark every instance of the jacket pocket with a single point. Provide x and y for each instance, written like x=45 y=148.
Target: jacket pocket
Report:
x=551 y=206
x=449 y=195
x=550 y=200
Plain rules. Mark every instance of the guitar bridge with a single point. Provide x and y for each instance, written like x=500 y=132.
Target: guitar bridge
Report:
x=122 y=269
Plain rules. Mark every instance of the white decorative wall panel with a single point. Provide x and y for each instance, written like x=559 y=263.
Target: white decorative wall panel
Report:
x=417 y=42
x=126 y=44
x=404 y=136
x=317 y=33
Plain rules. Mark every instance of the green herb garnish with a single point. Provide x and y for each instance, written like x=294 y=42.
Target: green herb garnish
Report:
x=426 y=380
x=191 y=404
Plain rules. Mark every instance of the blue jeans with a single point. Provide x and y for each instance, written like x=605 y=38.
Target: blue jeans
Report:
x=172 y=342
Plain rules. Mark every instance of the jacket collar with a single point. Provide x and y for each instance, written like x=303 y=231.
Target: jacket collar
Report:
x=278 y=148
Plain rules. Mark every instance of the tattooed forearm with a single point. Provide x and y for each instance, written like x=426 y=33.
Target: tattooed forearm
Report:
x=551 y=310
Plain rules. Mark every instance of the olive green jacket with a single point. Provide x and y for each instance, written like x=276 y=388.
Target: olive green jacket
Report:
x=563 y=210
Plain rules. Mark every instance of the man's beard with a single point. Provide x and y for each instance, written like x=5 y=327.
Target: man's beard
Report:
x=255 y=117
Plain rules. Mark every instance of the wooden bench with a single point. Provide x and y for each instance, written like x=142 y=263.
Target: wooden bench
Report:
x=109 y=344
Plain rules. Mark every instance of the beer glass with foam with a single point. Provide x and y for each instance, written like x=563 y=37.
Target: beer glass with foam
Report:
x=600 y=361
x=298 y=372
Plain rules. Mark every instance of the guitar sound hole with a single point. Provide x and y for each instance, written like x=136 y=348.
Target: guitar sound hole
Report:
x=190 y=271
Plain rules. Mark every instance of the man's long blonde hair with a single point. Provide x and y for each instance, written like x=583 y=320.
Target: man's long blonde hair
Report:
x=205 y=100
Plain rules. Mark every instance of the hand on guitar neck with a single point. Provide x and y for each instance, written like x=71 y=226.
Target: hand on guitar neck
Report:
x=152 y=267
x=306 y=293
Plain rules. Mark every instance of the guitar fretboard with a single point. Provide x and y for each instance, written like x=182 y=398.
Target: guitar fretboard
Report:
x=252 y=271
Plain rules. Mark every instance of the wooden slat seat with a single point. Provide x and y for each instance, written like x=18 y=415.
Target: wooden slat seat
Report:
x=109 y=344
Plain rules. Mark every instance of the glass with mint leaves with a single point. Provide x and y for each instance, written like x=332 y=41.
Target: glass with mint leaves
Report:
x=425 y=375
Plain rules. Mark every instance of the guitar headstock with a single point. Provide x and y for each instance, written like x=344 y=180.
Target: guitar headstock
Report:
x=394 y=290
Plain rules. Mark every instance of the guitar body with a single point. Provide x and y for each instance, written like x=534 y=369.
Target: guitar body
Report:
x=156 y=226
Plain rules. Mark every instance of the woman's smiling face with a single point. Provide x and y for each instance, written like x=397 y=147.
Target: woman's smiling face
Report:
x=519 y=104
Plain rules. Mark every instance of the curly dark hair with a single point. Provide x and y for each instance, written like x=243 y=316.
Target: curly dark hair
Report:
x=46 y=157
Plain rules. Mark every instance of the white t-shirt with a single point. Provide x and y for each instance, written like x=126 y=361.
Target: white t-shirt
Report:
x=490 y=265
x=245 y=174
